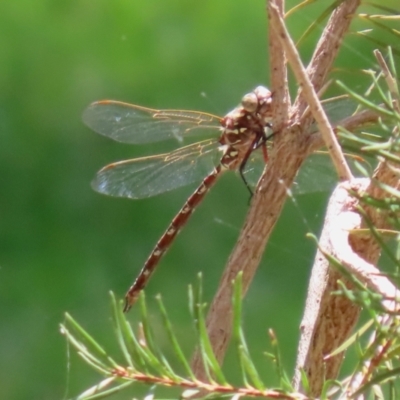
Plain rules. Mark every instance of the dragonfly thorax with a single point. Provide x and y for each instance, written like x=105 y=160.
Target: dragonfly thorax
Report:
x=233 y=155
x=244 y=128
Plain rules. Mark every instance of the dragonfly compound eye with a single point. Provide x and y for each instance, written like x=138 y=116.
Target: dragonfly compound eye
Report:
x=250 y=102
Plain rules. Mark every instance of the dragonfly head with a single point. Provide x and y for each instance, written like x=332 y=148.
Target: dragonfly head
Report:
x=264 y=100
x=250 y=102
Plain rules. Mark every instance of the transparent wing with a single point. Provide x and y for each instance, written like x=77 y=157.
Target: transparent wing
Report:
x=149 y=176
x=338 y=108
x=129 y=123
x=317 y=173
x=254 y=167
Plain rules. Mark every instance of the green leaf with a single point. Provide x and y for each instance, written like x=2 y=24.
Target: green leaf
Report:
x=210 y=362
x=99 y=391
x=249 y=371
x=173 y=340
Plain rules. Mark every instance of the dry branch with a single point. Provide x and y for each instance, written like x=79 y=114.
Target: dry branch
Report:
x=291 y=146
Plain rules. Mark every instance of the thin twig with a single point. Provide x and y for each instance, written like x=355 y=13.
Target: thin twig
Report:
x=390 y=80
x=311 y=96
x=206 y=387
x=327 y=49
x=279 y=79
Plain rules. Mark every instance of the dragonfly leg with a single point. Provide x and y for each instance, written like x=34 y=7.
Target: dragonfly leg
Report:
x=256 y=144
x=245 y=182
x=262 y=142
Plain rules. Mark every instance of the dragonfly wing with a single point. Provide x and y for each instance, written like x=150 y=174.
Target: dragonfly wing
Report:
x=254 y=167
x=337 y=109
x=316 y=174
x=149 y=176
x=129 y=123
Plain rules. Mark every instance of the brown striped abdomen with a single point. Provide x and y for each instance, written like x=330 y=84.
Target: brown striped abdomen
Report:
x=168 y=237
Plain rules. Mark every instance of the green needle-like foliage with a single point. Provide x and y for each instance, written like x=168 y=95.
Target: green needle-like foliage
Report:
x=209 y=360
x=145 y=363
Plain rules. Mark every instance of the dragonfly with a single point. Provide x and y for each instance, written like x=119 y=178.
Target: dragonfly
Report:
x=239 y=134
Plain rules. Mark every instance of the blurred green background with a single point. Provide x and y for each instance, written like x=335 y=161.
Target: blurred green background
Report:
x=63 y=246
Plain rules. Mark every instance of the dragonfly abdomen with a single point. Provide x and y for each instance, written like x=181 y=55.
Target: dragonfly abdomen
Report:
x=168 y=237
